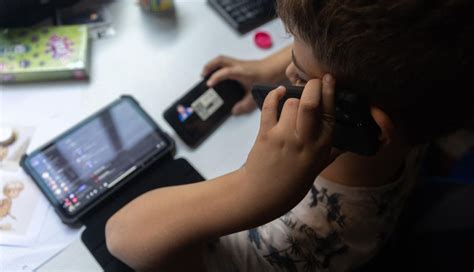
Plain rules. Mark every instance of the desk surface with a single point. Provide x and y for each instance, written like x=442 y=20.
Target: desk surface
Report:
x=155 y=59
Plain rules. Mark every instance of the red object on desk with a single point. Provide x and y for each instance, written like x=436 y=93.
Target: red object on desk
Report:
x=263 y=40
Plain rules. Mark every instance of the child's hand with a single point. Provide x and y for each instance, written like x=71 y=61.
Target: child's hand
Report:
x=290 y=152
x=246 y=72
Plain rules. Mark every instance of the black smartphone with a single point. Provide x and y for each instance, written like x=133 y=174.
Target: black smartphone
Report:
x=82 y=167
x=355 y=129
x=202 y=110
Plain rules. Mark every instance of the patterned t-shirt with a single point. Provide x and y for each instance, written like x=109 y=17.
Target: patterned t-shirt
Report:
x=334 y=228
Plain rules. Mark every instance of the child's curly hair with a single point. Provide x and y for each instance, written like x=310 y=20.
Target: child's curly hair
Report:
x=410 y=57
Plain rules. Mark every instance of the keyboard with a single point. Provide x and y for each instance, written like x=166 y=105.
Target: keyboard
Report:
x=245 y=15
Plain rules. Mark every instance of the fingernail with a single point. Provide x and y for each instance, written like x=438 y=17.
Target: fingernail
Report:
x=208 y=83
x=327 y=78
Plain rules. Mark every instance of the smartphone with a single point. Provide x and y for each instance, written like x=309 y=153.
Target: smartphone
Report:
x=355 y=129
x=202 y=110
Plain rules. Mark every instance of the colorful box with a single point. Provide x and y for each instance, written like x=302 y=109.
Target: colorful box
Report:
x=44 y=53
x=157 y=5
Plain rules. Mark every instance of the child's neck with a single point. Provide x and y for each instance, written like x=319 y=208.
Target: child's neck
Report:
x=359 y=171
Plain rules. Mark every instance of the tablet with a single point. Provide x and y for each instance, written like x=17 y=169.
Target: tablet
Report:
x=81 y=167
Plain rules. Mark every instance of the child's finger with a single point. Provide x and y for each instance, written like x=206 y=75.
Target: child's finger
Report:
x=308 y=118
x=222 y=74
x=269 y=116
x=215 y=64
x=289 y=114
x=328 y=108
x=335 y=153
x=247 y=104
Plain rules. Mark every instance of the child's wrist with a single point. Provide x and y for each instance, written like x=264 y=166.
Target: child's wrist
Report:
x=267 y=201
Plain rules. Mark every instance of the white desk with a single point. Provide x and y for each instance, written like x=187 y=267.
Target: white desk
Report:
x=155 y=59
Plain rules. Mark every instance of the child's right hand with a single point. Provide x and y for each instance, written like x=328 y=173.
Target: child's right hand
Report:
x=246 y=72
x=291 y=151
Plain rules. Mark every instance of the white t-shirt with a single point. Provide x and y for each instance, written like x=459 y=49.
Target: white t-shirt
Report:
x=334 y=228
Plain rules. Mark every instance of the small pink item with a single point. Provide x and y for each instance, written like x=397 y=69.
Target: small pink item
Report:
x=263 y=40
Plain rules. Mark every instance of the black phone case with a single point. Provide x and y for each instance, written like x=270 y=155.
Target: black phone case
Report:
x=166 y=173
x=355 y=130
x=189 y=137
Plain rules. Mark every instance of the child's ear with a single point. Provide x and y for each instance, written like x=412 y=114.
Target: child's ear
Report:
x=387 y=128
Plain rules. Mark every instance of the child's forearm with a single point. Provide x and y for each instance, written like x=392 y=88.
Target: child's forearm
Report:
x=277 y=63
x=154 y=228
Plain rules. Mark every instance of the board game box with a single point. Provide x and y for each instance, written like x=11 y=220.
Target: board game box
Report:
x=44 y=53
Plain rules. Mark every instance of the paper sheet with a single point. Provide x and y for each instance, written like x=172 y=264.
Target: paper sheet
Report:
x=10 y=155
x=31 y=233
x=54 y=237
x=22 y=209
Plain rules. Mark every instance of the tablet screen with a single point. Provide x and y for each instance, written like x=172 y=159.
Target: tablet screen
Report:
x=84 y=163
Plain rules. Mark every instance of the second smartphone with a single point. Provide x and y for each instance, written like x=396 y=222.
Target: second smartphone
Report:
x=203 y=109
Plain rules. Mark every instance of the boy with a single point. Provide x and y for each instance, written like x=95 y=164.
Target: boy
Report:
x=297 y=204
